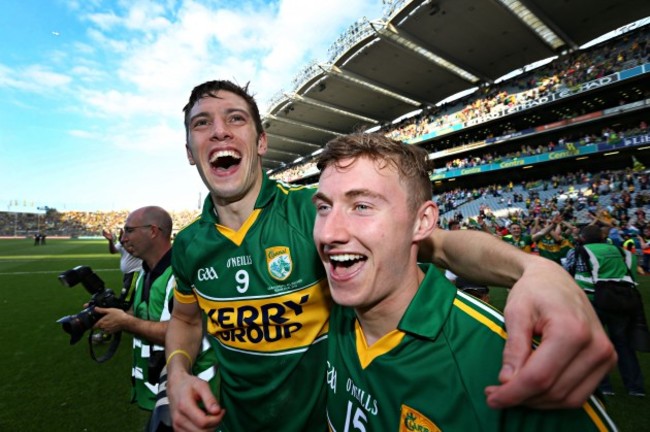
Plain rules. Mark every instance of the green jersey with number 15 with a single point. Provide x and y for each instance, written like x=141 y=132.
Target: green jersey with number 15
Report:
x=431 y=372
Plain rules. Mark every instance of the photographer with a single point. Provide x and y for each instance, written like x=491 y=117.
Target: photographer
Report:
x=147 y=235
x=596 y=261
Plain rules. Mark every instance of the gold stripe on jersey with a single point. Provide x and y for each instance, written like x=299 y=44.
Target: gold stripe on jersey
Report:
x=478 y=316
x=269 y=324
x=184 y=298
x=286 y=188
x=595 y=417
x=382 y=346
x=496 y=328
x=237 y=237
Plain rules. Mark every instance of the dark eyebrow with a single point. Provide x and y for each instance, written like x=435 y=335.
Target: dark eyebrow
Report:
x=319 y=196
x=364 y=193
x=228 y=112
x=197 y=115
x=349 y=194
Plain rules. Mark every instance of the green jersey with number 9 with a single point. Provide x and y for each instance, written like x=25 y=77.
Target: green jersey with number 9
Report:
x=264 y=295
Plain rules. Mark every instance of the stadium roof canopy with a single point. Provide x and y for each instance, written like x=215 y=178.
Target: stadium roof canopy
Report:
x=421 y=52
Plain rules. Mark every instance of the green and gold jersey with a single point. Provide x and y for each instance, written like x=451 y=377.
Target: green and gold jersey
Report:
x=430 y=374
x=550 y=248
x=524 y=242
x=264 y=294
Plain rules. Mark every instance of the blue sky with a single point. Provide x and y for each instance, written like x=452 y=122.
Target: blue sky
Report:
x=91 y=91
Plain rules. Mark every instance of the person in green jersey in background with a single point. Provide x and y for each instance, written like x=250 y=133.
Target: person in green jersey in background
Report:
x=407 y=351
x=248 y=267
x=147 y=235
x=517 y=239
x=551 y=243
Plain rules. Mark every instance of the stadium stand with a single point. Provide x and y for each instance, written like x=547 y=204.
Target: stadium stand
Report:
x=74 y=223
x=565 y=133
x=507 y=133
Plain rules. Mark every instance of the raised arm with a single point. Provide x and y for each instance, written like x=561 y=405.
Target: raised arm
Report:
x=185 y=391
x=111 y=245
x=575 y=352
x=539 y=233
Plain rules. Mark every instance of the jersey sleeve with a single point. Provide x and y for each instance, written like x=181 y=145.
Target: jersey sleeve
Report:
x=182 y=290
x=302 y=211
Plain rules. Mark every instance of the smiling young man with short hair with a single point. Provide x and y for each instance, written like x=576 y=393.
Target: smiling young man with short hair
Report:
x=407 y=351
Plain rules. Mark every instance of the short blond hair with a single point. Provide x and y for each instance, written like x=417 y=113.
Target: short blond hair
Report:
x=411 y=162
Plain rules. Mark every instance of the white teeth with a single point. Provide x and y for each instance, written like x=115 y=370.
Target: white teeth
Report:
x=224 y=153
x=345 y=257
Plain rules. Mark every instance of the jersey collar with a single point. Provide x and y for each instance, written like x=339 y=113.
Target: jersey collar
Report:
x=431 y=305
x=209 y=213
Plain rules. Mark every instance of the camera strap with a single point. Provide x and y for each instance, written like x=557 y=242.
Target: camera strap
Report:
x=112 y=348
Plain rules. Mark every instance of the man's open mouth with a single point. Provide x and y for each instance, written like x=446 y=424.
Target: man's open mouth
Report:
x=346 y=260
x=225 y=159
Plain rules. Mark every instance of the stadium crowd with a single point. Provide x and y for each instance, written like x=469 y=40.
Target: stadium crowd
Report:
x=577 y=196
x=565 y=72
x=75 y=223
x=570 y=143
x=617 y=200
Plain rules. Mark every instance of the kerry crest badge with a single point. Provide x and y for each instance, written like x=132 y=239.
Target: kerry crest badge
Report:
x=279 y=263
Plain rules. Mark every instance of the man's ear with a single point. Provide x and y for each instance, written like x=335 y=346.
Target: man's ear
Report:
x=262 y=144
x=426 y=221
x=190 y=158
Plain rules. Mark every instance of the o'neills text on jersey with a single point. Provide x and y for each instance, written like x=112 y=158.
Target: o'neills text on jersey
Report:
x=367 y=401
x=239 y=261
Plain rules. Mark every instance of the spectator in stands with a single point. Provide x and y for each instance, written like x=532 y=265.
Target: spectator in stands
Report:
x=608 y=262
x=645 y=248
x=640 y=221
x=551 y=244
x=147 y=236
x=226 y=141
x=516 y=238
x=479 y=291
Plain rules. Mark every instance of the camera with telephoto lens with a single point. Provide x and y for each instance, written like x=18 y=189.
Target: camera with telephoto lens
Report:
x=103 y=297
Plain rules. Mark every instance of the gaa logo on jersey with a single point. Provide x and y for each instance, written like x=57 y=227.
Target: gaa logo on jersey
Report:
x=278 y=261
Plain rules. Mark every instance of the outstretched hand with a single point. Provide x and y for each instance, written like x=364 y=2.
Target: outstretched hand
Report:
x=192 y=404
x=107 y=235
x=574 y=354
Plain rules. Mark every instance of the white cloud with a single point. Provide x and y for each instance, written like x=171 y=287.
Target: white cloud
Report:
x=81 y=134
x=126 y=77
x=105 y=21
x=88 y=74
x=265 y=44
x=35 y=78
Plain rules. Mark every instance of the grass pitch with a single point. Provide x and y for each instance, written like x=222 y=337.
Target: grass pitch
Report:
x=46 y=384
